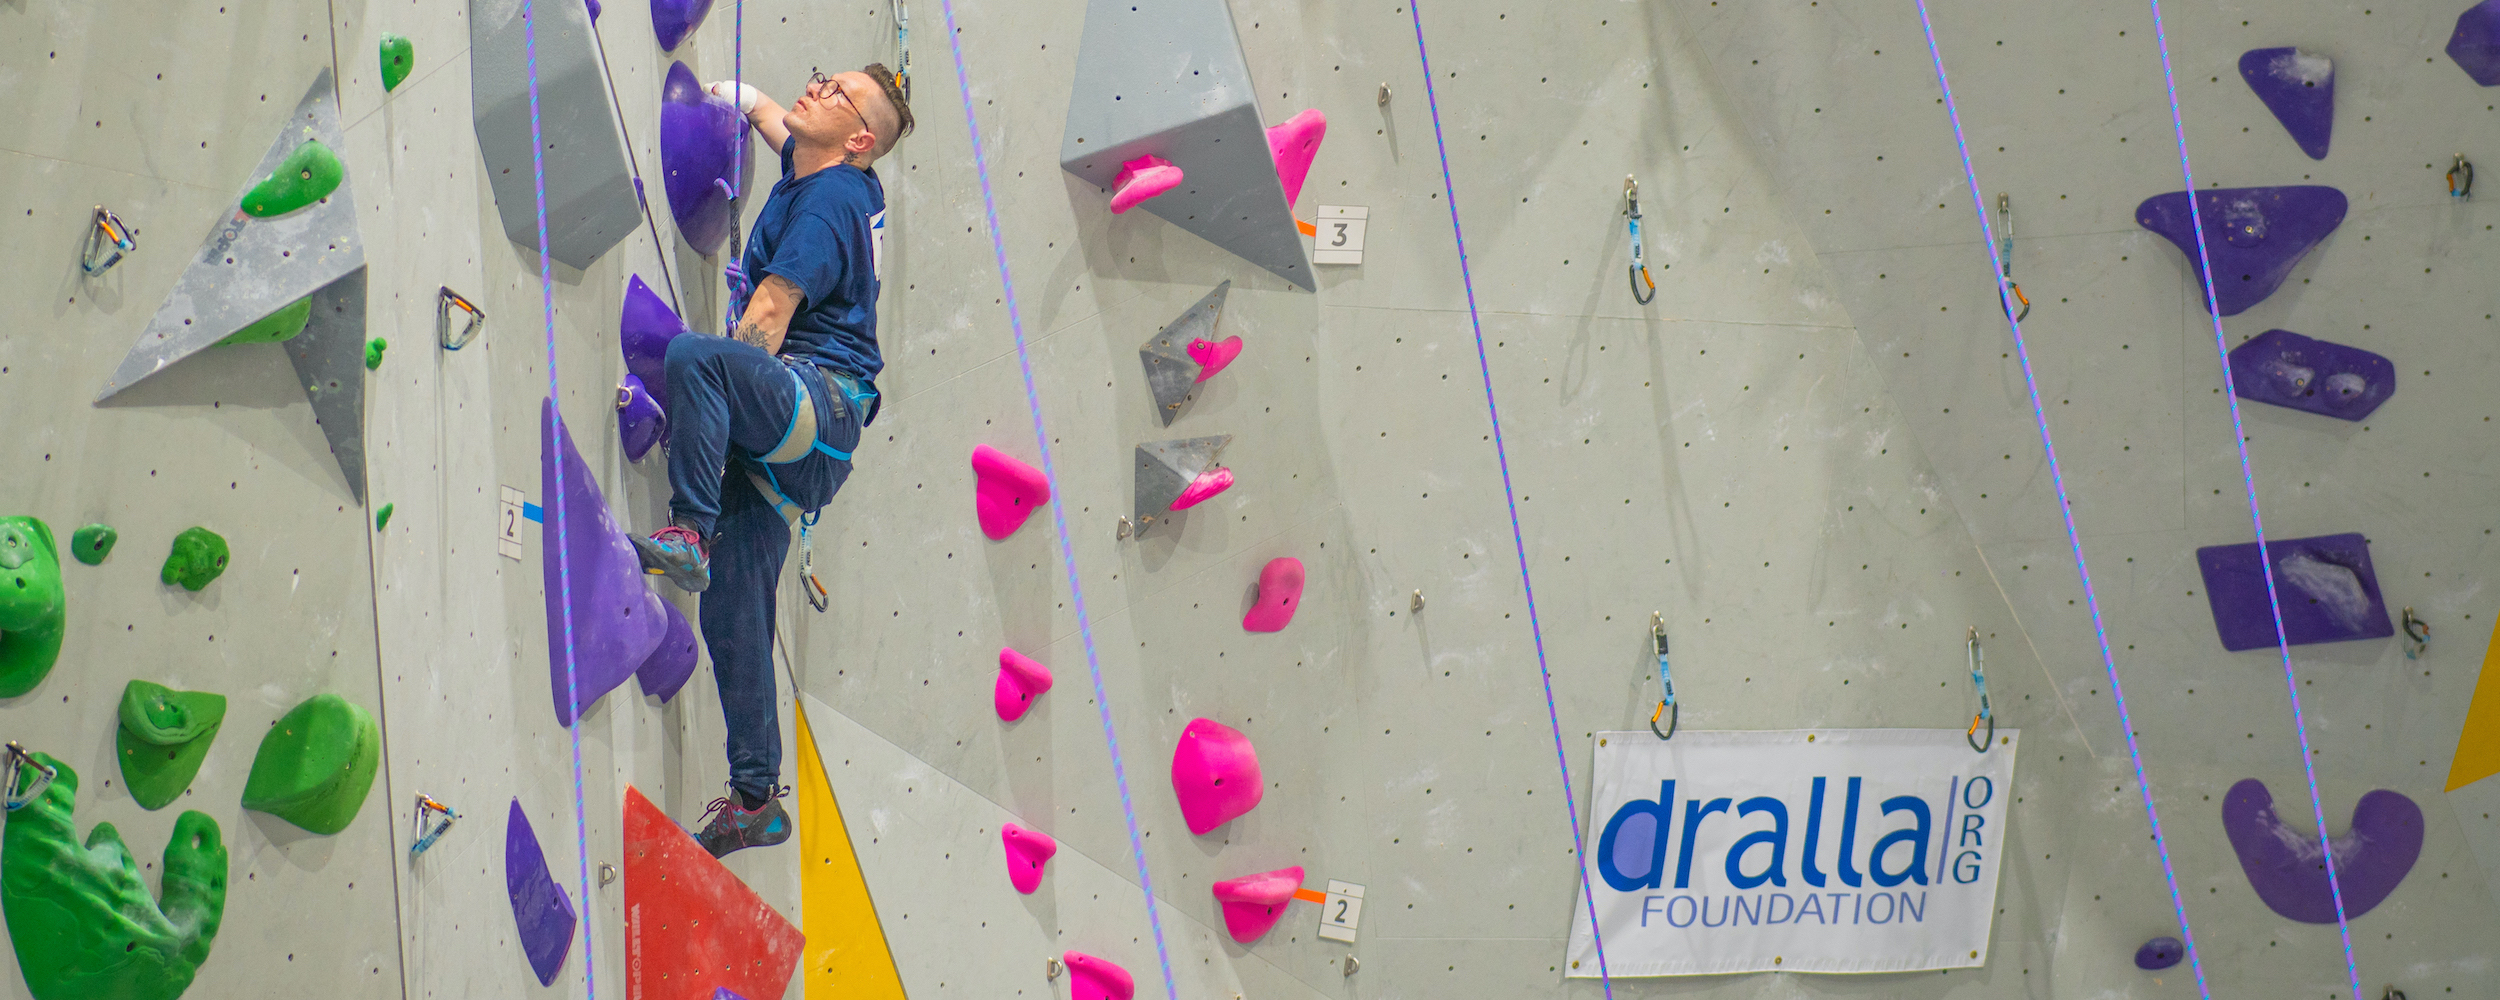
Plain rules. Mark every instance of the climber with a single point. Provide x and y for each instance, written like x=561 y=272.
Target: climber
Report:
x=762 y=422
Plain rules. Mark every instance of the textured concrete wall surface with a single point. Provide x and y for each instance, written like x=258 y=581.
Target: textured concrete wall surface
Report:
x=1817 y=362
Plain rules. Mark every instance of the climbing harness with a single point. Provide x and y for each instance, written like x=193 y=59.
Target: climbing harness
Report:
x=1644 y=288
x=433 y=819
x=796 y=444
x=107 y=242
x=1979 y=681
x=2460 y=179
x=902 y=47
x=19 y=759
x=2417 y=636
x=1666 y=684
x=445 y=303
x=2005 y=257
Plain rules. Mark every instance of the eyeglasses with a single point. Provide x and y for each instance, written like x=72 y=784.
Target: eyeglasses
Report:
x=818 y=83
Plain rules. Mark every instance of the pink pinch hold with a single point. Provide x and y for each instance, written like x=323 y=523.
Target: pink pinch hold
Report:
x=1294 y=144
x=1027 y=852
x=1252 y=903
x=1020 y=680
x=1093 y=978
x=1140 y=179
x=1212 y=356
x=1215 y=774
x=1005 y=491
x=1206 y=486
x=1280 y=592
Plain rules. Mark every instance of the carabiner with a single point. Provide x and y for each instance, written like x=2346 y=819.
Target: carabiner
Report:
x=2019 y=297
x=441 y=817
x=447 y=300
x=1666 y=683
x=817 y=596
x=18 y=758
x=2460 y=178
x=107 y=242
x=2417 y=636
x=1979 y=680
x=1644 y=287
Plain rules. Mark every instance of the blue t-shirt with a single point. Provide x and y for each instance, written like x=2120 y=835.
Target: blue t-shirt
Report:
x=825 y=233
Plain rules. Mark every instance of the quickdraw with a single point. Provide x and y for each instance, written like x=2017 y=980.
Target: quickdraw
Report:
x=1644 y=288
x=2417 y=636
x=447 y=302
x=433 y=819
x=2392 y=993
x=19 y=760
x=2005 y=258
x=1979 y=681
x=107 y=242
x=1666 y=684
x=2460 y=179
x=902 y=45
x=817 y=596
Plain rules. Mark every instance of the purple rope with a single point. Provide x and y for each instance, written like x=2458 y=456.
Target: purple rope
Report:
x=2256 y=520
x=1058 y=507
x=1510 y=496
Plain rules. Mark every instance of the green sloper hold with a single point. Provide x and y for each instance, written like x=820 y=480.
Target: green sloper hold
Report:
x=316 y=765
x=198 y=557
x=399 y=56
x=33 y=612
x=82 y=919
x=278 y=326
x=93 y=542
x=307 y=175
x=373 y=352
x=382 y=518
x=164 y=735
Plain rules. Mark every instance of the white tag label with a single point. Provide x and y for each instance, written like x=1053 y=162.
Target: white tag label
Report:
x=508 y=524
x=1343 y=910
x=1340 y=239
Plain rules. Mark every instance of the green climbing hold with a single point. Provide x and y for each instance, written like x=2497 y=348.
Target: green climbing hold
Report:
x=93 y=542
x=275 y=327
x=164 y=735
x=382 y=518
x=33 y=612
x=373 y=352
x=308 y=175
x=399 y=56
x=198 y=557
x=81 y=916
x=316 y=765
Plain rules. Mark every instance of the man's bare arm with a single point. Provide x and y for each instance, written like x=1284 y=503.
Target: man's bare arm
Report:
x=769 y=310
x=766 y=117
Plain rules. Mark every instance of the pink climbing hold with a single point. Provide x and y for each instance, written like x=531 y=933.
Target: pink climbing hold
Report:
x=1140 y=179
x=1280 y=592
x=1006 y=491
x=1212 y=355
x=1252 y=903
x=1215 y=774
x=1203 y=488
x=1294 y=144
x=1020 y=680
x=1027 y=852
x=1097 y=978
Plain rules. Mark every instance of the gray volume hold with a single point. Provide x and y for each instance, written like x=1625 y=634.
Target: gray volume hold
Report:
x=591 y=204
x=1165 y=468
x=1170 y=372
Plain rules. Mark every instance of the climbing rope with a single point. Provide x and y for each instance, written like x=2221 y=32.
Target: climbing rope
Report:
x=1510 y=497
x=2066 y=511
x=1643 y=288
x=658 y=245
x=1979 y=682
x=1666 y=684
x=734 y=272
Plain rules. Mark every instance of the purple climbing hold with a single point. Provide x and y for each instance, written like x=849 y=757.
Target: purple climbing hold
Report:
x=2287 y=867
x=644 y=329
x=2323 y=377
x=2327 y=588
x=699 y=136
x=673 y=19
x=639 y=419
x=2254 y=235
x=2476 y=44
x=2160 y=953
x=672 y=662
x=595 y=10
x=616 y=621
x=539 y=905
x=2299 y=87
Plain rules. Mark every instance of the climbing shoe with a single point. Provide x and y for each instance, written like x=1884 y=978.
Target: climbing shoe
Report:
x=732 y=825
x=677 y=553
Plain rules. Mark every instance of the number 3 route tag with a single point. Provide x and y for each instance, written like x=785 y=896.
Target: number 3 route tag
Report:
x=1340 y=239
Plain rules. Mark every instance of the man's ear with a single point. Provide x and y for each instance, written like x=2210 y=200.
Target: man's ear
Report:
x=860 y=142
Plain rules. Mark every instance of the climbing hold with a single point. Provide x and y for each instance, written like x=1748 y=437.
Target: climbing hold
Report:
x=2287 y=867
x=547 y=67
x=1091 y=978
x=164 y=736
x=1140 y=179
x=2254 y=235
x=198 y=558
x=2160 y=953
x=1280 y=592
x=382 y=518
x=539 y=904
x=640 y=422
x=1293 y=145
x=277 y=327
x=316 y=764
x=2299 y=87
x=399 y=56
x=307 y=175
x=1005 y=491
x=1212 y=356
x=1171 y=356
x=699 y=139
x=2322 y=377
x=672 y=19
x=373 y=352
x=2476 y=43
x=1253 y=903
x=1027 y=852
x=672 y=661
x=1167 y=471
x=1215 y=773
x=2326 y=586
x=644 y=330
x=1020 y=680
x=1203 y=488
x=93 y=542
x=33 y=610
x=80 y=914
x=615 y=619
x=595 y=10
x=673 y=885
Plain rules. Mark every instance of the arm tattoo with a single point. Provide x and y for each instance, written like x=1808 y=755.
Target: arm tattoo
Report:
x=751 y=333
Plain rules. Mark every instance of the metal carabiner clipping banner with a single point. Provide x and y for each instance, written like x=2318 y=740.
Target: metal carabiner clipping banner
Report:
x=2460 y=178
x=432 y=820
x=19 y=759
x=108 y=240
x=445 y=301
x=1666 y=683
x=1979 y=681
x=2417 y=635
x=2005 y=259
x=1644 y=288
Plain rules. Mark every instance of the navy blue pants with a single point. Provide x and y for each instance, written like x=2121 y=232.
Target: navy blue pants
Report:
x=729 y=402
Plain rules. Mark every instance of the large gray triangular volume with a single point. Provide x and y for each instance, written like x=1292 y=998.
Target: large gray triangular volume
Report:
x=1165 y=468
x=329 y=359
x=1167 y=78
x=591 y=203
x=1170 y=372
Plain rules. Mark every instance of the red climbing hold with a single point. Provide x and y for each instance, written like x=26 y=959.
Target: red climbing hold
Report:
x=1027 y=852
x=1020 y=680
x=1203 y=488
x=1252 y=903
x=1294 y=144
x=691 y=928
x=1213 y=355
x=1280 y=592
x=1097 y=978
x=1140 y=179
x=1215 y=774
x=1006 y=491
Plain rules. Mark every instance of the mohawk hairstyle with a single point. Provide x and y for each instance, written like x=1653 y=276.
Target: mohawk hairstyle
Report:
x=893 y=95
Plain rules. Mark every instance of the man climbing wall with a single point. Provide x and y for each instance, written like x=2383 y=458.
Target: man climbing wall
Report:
x=762 y=422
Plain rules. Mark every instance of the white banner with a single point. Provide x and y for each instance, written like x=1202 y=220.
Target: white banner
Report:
x=1869 y=850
